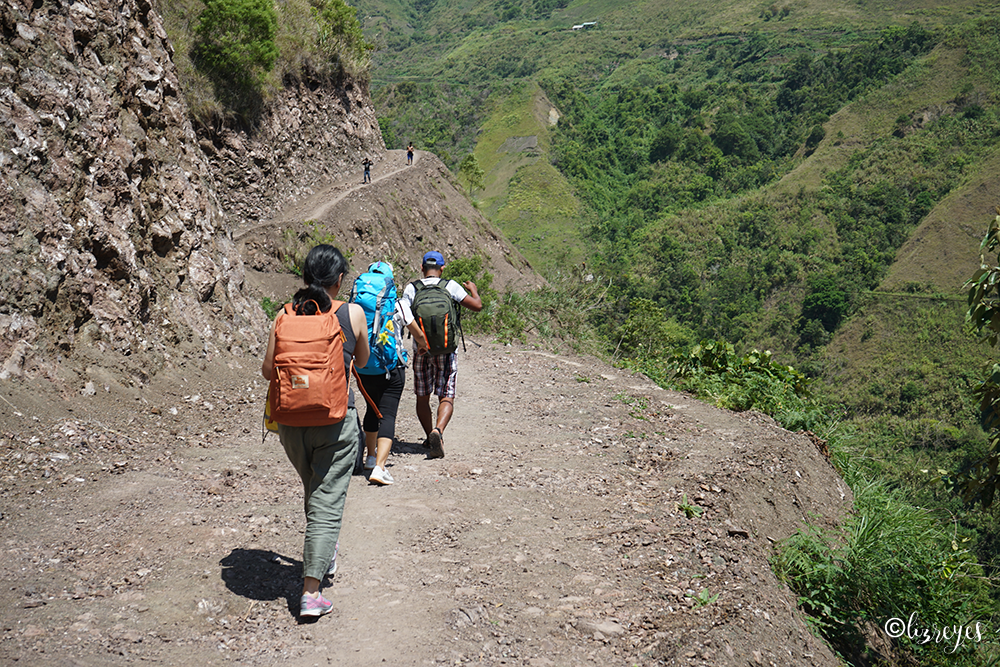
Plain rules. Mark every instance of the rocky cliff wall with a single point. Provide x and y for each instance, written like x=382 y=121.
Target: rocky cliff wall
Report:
x=312 y=134
x=115 y=217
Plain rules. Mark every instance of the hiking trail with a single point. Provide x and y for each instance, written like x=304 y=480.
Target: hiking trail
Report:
x=581 y=516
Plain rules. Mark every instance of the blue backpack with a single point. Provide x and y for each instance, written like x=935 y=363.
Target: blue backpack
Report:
x=375 y=292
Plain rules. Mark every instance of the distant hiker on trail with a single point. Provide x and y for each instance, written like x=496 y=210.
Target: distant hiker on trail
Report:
x=409 y=154
x=384 y=376
x=367 y=164
x=314 y=407
x=433 y=303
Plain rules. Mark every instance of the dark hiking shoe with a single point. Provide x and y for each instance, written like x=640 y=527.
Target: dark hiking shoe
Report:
x=435 y=445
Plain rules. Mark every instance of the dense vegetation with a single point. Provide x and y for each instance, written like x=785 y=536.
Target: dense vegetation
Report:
x=232 y=54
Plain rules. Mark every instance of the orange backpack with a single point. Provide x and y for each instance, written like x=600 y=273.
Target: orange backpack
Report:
x=309 y=381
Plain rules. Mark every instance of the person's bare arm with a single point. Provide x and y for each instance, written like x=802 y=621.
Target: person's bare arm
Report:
x=267 y=367
x=472 y=301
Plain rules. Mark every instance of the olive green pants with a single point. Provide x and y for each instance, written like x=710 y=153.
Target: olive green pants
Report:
x=324 y=458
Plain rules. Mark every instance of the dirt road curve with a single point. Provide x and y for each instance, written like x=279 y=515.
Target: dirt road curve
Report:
x=321 y=202
x=158 y=529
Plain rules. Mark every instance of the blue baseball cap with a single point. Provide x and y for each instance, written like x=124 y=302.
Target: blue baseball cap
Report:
x=434 y=258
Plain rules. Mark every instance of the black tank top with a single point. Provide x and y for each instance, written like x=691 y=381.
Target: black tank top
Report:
x=350 y=341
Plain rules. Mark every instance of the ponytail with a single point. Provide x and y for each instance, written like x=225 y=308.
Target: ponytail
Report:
x=311 y=300
x=324 y=267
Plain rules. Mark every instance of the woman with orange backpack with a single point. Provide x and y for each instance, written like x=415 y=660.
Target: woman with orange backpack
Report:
x=312 y=345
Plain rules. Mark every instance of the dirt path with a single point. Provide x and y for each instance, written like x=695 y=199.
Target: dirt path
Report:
x=319 y=204
x=549 y=535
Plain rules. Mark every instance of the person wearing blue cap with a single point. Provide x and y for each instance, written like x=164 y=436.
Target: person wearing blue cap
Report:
x=432 y=305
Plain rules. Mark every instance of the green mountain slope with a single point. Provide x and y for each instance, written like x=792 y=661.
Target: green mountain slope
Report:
x=705 y=146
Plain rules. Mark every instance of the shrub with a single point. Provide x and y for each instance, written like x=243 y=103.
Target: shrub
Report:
x=887 y=561
x=270 y=307
x=471 y=172
x=340 y=39
x=388 y=134
x=753 y=381
x=827 y=301
x=816 y=135
x=295 y=246
x=473 y=268
x=646 y=331
x=667 y=140
x=236 y=40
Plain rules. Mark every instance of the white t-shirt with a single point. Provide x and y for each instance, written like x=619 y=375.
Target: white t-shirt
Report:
x=456 y=291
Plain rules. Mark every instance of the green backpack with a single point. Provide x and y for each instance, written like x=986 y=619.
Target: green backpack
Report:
x=438 y=316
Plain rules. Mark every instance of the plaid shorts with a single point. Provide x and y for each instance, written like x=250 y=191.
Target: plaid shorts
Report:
x=435 y=374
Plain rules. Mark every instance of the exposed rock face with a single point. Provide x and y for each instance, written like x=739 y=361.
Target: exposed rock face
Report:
x=115 y=245
x=312 y=134
x=112 y=235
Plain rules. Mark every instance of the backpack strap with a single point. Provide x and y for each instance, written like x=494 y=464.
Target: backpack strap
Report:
x=354 y=370
x=377 y=320
x=458 y=321
x=368 y=399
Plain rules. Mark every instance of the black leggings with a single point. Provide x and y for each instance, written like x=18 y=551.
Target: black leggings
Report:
x=385 y=392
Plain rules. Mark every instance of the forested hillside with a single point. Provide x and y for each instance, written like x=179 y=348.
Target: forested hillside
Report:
x=812 y=179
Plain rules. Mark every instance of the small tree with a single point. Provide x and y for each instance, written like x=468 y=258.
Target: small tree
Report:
x=471 y=172
x=236 y=40
x=827 y=302
x=340 y=36
x=648 y=333
x=978 y=481
x=667 y=140
x=816 y=135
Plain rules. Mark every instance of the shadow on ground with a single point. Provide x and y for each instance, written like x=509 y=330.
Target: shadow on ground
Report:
x=262 y=575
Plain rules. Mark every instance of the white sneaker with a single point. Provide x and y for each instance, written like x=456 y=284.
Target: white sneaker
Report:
x=380 y=476
x=369 y=462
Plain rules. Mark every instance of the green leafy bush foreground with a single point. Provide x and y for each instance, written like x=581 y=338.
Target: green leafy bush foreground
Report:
x=752 y=381
x=979 y=480
x=893 y=576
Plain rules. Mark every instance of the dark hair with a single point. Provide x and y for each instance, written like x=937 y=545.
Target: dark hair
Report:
x=324 y=267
